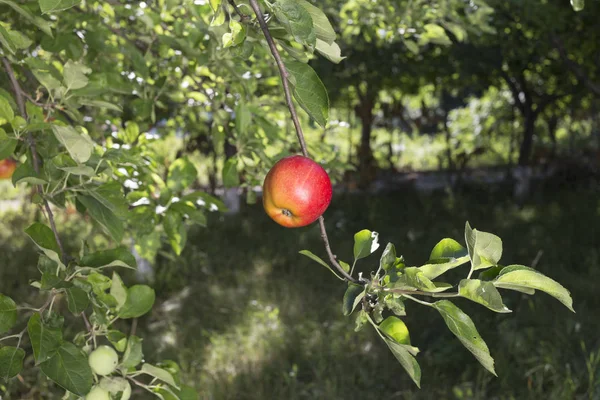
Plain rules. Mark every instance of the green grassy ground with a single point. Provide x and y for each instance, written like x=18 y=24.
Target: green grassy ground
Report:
x=247 y=317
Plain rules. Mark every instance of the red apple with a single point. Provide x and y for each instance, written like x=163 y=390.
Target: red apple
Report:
x=7 y=167
x=296 y=191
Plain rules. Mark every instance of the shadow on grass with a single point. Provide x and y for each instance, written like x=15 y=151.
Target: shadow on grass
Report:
x=259 y=321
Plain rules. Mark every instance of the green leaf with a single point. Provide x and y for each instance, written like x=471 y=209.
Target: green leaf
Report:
x=133 y=352
x=110 y=194
x=8 y=313
x=323 y=29
x=345 y=266
x=411 y=46
x=7 y=145
x=26 y=174
x=175 y=230
x=104 y=216
x=243 y=118
x=447 y=254
x=69 y=368
x=118 y=290
x=485 y=249
x=83 y=170
x=577 y=4
x=7 y=43
x=159 y=374
x=406 y=359
x=332 y=51
x=521 y=278
x=461 y=325
x=117 y=257
x=45 y=338
x=140 y=299
x=6 y=110
x=309 y=91
x=388 y=257
x=395 y=328
x=434 y=34
x=414 y=279
x=219 y=16
x=35 y=20
x=365 y=243
x=230 y=173
x=52 y=280
x=395 y=305
x=182 y=175
x=44 y=238
x=80 y=147
x=296 y=20
x=11 y=362
x=448 y=248
x=77 y=300
x=236 y=34
x=188 y=209
x=482 y=292
x=298 y=53
x=45 y=73
x=100 y=104
x=318 y=259
x=352 y=297
x=49 y=6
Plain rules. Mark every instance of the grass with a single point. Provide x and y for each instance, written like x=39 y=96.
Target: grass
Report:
x=247 y=317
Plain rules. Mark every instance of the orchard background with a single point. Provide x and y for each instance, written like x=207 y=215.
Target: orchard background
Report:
x=135 y=137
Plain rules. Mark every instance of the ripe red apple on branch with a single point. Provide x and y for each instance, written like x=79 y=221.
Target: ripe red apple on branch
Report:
x=7 y=167
x=296 y=191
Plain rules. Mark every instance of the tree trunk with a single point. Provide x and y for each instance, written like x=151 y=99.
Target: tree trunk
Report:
x=365 y=154
x=527 y=144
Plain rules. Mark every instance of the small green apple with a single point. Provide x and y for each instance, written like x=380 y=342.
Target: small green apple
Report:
x=97 y=393
x=103 y=360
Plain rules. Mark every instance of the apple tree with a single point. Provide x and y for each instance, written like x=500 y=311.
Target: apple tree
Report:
x=87 y=89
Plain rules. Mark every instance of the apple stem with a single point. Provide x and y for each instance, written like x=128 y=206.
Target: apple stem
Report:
x=290 y=104
x=32 y=146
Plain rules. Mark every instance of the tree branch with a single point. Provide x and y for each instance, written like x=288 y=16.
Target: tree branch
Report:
x=243 y=17
x=288 y=98
x=514 y=89
x=33 y=148
x=283 y=72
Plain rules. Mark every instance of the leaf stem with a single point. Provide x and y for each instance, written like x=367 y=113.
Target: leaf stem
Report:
x=421 y=293
x=299 y=133
x=425 y=303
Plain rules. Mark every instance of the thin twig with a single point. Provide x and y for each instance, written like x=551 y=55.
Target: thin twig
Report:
x=288 y=98
x=32 y=146
x=283 y=72
x=89 y=327
x=330 y=254
x=242 y=16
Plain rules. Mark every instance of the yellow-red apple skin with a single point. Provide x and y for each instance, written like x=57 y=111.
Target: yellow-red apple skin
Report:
x=7 y=167
x=296 y=191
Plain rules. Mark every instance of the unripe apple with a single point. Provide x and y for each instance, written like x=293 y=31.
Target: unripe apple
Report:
x=97 y=393
x=296 y=191
x=103 y=360
x=7 y=167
